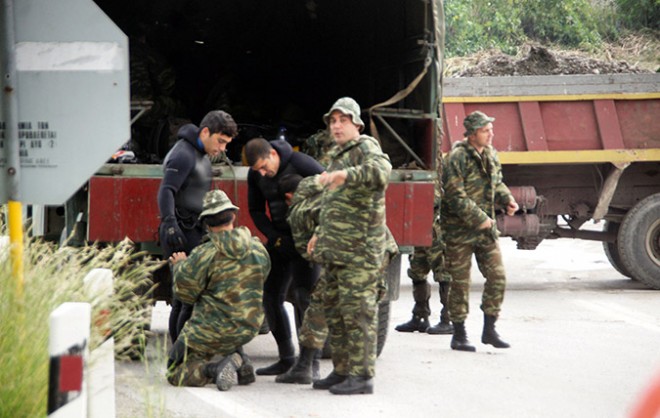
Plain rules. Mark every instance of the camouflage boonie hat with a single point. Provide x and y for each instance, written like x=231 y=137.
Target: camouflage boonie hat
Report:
x=476 y=120
x=347 y=106
x=216 y=201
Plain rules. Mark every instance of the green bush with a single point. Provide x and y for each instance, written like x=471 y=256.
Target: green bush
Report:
x=481 y=24
x=638 y=14
x=52 y=276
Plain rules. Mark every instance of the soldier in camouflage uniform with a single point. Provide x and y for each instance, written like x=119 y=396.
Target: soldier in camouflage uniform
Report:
x=318 y=146
x=223 y=278
x=472 y=179
x=350 y=244
x=304 y=199
x=422 y=261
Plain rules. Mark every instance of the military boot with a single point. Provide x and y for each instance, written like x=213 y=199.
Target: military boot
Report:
x=329 y=381
x=421 y=310
x=283 y=365
x=246 y=371
x=354 y=385
x=444 y=326
x=489 y=335
x=301 y=372
x=223 y=373
x=417 y=323
x=459 y=341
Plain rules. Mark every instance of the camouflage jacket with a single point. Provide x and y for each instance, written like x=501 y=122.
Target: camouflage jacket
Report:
x=472 y=187
x=303 y=216
x=351 y=230
x=224 y=279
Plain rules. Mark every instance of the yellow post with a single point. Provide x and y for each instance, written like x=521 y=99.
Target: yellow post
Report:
x=16 y=242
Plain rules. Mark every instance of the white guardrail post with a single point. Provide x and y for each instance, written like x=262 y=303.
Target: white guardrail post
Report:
x=81 y=384
x=68 y=347
x=101 y=387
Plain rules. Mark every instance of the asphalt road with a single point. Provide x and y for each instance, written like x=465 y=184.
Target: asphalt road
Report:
x=585 y=342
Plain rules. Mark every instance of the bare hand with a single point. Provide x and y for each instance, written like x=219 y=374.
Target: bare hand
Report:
x=178 y=256
x=512 y=207
x=333 y=179
x=487 y=224
x=311 y=244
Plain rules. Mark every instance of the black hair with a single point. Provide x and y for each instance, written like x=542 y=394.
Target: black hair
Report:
x=219 y=121
x=255 y=149
x=288 y=183
x=219 y=219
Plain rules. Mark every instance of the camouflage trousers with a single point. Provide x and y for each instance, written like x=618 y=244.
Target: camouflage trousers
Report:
x=314 y=329
x=422 y=261
x=351 y=307
x=459 y=262
x=186 y=366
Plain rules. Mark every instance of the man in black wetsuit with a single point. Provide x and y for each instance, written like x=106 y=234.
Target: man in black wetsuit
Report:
x=186 y=178
x=268 y=162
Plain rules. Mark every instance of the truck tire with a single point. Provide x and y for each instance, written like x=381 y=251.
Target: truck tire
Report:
x=383 y=325
x=612 y=251
x=638 y=241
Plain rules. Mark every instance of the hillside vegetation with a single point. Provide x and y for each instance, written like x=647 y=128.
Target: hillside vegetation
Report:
x=499 y=37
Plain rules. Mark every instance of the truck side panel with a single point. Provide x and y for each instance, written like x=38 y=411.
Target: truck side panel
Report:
x=122 y=207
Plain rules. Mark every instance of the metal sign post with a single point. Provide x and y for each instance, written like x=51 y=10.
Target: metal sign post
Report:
x=10 y=127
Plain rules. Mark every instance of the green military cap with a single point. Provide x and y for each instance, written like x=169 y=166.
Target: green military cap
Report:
x=347 y=106
x=476 y=120
x=216 y=201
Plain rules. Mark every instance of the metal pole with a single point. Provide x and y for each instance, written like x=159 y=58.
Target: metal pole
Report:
x=10 y=116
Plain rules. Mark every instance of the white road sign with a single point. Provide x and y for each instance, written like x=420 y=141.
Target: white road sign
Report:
x=73 y=97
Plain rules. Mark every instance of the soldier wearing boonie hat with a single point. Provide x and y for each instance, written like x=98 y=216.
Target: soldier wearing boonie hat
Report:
x=347 y=106
x=216 y=201
x=223 y=278
x=474 y=189
x=474 y=121
x=351 y=247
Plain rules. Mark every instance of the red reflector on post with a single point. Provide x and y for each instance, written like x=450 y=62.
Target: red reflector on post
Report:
x=71 y=373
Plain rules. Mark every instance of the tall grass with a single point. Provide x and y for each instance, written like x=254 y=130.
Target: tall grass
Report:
x=54 y=275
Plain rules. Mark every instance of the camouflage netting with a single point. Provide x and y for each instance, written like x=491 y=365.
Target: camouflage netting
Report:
x=535 y=60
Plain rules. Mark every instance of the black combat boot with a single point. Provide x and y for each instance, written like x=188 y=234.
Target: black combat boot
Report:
x=354 y=385
x=301 y=372
x=246 y=371
x=329 y=381
x=459 y=341
x=444 y=326
x=417 y=323
x=490 y=336
x=421 y=310
x=283 y=365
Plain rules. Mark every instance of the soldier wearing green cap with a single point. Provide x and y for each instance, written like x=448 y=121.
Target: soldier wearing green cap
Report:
x=350 y=243
x=472 y=180
x=223 y=279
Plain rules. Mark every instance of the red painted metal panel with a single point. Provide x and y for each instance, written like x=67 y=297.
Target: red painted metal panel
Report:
x=410 y=212
x=532 y=123
x=640 y=123
x=608 y=124
x=454 y=113
x=570 y=126
x=122 y=207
